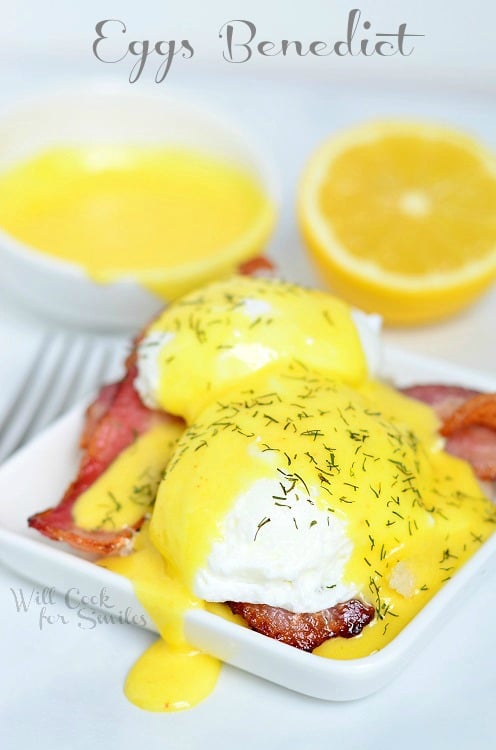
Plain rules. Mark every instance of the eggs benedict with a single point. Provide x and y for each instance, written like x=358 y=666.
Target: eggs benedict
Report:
x=317 y=502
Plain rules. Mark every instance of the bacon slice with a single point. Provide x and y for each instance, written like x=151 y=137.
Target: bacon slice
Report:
x=308 y=630
x=97 y=410
x=260 y=266
x=444 y=399
x=468 y=422
x=113 y=423
x=477 y=445
x=471 y=433
x=478 y=410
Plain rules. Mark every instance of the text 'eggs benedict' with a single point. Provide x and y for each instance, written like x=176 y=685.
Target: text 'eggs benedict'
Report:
x=318 y=502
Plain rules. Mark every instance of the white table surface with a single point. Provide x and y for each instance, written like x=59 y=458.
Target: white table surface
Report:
x=61 y=687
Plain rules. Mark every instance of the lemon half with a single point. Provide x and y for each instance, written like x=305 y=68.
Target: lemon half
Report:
x=401 y=218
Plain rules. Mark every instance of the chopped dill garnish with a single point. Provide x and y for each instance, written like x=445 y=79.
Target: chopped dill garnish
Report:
x=262 y=523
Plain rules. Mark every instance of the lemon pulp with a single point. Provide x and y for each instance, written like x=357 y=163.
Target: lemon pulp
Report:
x=400 y=218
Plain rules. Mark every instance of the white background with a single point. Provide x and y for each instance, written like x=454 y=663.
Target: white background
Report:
x=62 y=689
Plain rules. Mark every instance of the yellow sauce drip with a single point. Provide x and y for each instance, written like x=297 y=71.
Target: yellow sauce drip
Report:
x=171 y=675
x=168 y=679
x=140 y=212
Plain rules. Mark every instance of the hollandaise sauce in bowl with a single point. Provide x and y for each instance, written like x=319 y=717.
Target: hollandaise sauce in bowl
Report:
x=296 y=483
x=115 y=201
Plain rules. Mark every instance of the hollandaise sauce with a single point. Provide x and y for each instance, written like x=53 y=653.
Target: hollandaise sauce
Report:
x=126 y=492
x=171 y=675
x=131 y=211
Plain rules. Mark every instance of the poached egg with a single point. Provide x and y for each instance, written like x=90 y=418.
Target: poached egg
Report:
x=216 y=337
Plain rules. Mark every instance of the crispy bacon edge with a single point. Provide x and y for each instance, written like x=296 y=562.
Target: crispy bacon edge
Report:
x=468 y=421
x=307 y=630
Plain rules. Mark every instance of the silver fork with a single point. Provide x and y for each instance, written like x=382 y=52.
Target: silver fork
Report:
x=65 y=367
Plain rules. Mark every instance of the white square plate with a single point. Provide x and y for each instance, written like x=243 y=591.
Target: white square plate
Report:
x=37 y=475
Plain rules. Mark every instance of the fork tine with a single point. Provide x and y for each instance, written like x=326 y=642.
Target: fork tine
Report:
x=24 y=384
x=40 y=381
x=65 y=368
x=103 y=362
x=80 y=356
x=55 y=399
x=91 y=374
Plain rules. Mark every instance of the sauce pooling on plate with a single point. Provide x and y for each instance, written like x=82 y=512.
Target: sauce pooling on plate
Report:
x=133 y=211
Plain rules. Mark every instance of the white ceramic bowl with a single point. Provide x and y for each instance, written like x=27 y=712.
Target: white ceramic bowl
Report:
x=109 y=114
